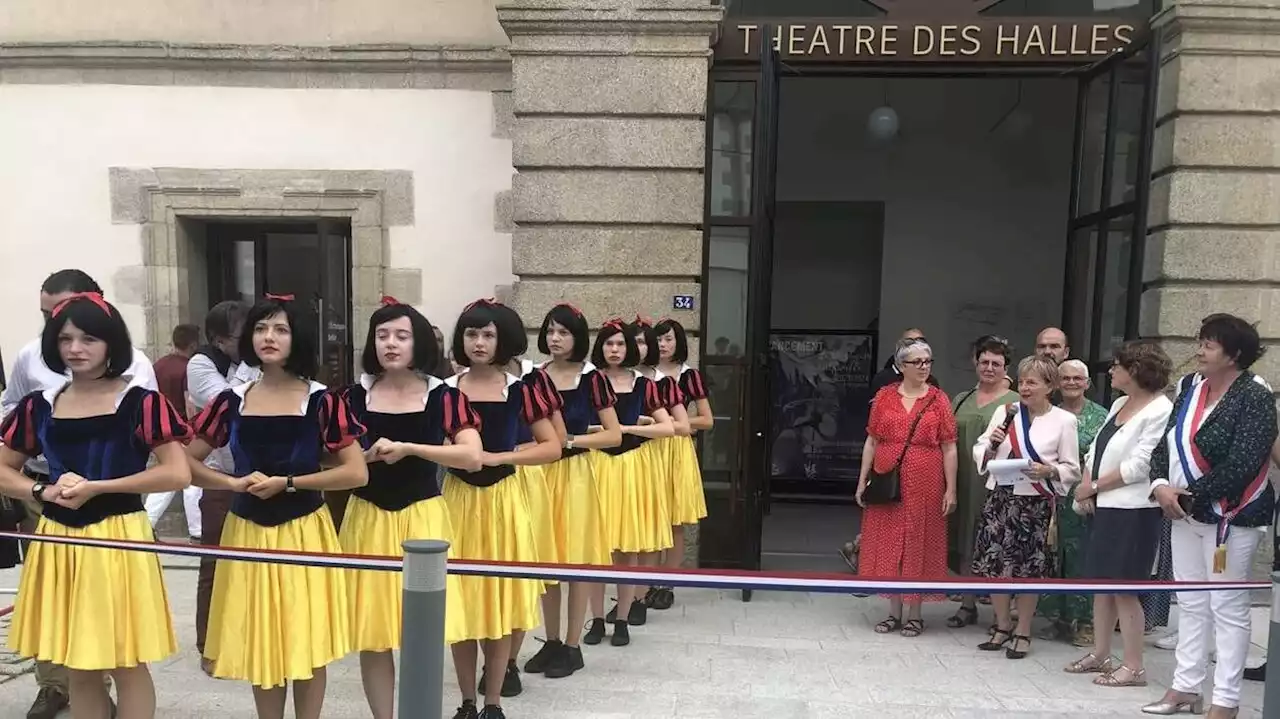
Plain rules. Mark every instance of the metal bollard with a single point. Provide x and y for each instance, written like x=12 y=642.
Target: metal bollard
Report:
x=1271 y=692
x=421 y=692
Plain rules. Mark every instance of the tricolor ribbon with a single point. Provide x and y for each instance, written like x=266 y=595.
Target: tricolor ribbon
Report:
x=94 y=297
x=1020 y=437
x=707 y=578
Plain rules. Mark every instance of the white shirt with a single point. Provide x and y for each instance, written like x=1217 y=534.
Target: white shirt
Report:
x=204 y=383
x=1129 y=451
x=31 y=374
x=1053 y=435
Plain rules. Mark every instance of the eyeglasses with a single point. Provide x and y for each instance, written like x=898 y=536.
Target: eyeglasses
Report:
x=919 y=363
x=1074 y=380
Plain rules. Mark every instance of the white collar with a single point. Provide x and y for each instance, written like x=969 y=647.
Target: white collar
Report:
x=242 y=389
x=367 y=381
x=506 y=390
x=51 y=394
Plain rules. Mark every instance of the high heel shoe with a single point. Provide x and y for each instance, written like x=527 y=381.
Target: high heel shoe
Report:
x=1190 y=703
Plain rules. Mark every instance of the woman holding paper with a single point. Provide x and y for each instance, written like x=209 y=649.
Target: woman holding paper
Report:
x=1209 y=475
x=1116 y=490
x=1013 y=536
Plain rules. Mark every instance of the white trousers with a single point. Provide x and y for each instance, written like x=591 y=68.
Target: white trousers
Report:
x=158 y=502
x=1218 y=618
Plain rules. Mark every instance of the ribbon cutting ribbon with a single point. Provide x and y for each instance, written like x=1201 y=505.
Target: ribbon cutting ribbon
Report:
x=714 y=579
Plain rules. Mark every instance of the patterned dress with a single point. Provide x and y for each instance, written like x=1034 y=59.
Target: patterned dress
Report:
x=1073 y=535
x=909 y=538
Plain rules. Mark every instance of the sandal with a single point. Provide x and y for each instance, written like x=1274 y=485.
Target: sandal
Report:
x=1090 y=664
x=1012 y=652
x=991 y=645
x=892 y=624
x=1136 y=679
x=963 y=617
x=913 y=628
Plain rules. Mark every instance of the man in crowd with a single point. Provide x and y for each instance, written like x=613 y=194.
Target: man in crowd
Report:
x=31 y=374
x=214 y=368
x=1052 y=343
x=171 y=376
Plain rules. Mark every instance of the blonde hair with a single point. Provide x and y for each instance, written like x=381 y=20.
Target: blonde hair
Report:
x=1043 y=366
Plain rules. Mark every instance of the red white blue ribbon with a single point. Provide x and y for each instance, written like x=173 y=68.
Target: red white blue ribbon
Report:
x=1020 y=437
x=1192 y=414
x=707 y=578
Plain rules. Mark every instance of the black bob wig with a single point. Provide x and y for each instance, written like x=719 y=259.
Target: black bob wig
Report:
x=680 y=354
x=102 y=322
x=640 y=328
x=573 y=320
x=630 y=358
x=483 y=313
x=426 y=352
x=304 y=360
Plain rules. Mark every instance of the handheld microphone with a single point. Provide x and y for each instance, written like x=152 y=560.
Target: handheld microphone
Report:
x=1010 y=412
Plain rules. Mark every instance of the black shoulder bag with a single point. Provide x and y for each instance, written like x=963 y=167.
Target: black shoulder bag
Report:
x=886 y=488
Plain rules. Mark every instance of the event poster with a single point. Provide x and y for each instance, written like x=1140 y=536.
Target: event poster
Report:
x=821 y=399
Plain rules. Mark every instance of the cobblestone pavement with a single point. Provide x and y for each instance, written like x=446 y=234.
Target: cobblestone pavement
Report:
x=781 y=655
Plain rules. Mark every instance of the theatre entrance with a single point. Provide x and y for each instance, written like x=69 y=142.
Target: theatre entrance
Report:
x=849 y=201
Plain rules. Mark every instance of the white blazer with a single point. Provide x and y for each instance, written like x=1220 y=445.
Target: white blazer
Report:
x=1129 y=450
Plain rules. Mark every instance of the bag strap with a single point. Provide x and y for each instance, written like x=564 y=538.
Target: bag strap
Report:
x=912 y=432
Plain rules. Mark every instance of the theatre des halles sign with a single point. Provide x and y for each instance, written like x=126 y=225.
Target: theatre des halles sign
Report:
x=935 y=31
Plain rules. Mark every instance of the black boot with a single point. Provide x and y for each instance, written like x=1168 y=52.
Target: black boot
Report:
x=567 y=661
x=1256 y=674
x=467 y=710
x=638 y=615
x=537 y=664
x=595 y=633
x=621 y=635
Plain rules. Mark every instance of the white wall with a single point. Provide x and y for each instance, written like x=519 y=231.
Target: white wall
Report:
x=975 y=219
x=56 y=143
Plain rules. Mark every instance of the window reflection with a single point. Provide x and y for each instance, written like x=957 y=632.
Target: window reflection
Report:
x=1093 y=145
x=732 y=115
x=1083 y=258
x=1128 y=130
x=1115 y=298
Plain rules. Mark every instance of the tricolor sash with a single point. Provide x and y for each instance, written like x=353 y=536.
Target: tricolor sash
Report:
x=1020 y=442
x=1190 y=415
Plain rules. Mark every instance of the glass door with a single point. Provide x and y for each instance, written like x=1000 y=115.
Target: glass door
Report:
x=1111 y=178
x=742 y=138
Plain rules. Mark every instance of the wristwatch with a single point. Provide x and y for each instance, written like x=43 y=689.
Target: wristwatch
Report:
x=288 y=485
x=568 y=442
x=37 y=491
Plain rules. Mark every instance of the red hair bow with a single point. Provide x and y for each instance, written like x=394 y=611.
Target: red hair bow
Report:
x=94 y=297
x=572 y=308
x=615 y=323
x=388 y=300
x=643 y=321
x=482 y=302
x=665 y=318
x=278 y=298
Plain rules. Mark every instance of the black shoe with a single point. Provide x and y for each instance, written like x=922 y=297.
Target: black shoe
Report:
x=492 y=712
x=49 y=701
x=467 y=710
x=621 y=635
x=537 y=664
x=638 y=615
x=595 y=634
x=567 y=661
x=1256 y=674
x=511 y=685
x=663 y=598
x=612 y=616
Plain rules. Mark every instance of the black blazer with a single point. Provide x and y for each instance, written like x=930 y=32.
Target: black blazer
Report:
x=1235 y=439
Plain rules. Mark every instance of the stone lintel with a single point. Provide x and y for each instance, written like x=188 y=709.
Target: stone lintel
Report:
x=635 y=142
x=605 y=297
x=606 y=250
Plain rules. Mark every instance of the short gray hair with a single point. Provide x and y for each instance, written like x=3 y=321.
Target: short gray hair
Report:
x=1043 y=366
x=1075 y=364
x=906 y=347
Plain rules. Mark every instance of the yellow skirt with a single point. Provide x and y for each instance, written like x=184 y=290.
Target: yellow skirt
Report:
x=687 y=503
x=533 y=481
x=493 y=524
x=375 y=598
x=576 y=512
x=91 y=609
x=634 y=500
x=274 y=623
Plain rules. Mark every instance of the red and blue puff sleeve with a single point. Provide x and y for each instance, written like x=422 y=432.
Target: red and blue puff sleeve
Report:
x=546 y=388
x=669 y=389
x=213 y=424
x=652 y=397
x=456 y=413
x=20 y=431
x=159 y=422
x=338 y=424
x=535 y=404
x=601 y=391
x=693 y=385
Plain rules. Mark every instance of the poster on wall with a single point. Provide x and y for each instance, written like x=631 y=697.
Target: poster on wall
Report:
x=821 y=397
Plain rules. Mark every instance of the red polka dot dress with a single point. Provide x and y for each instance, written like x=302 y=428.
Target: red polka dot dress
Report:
x=909 y=538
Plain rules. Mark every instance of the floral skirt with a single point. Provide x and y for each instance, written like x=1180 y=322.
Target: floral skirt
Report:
x=1013 y=537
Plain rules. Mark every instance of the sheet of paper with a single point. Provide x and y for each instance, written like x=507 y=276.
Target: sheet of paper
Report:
x=1008 y=472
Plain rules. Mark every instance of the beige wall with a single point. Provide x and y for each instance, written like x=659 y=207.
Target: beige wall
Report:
x=58 y=143
x=253 y=22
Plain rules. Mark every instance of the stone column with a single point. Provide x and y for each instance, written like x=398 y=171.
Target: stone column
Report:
x=1215 y=205
x=609 y=99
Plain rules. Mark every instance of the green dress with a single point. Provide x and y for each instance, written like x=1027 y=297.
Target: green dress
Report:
x=1073 y=610
x=971 y=488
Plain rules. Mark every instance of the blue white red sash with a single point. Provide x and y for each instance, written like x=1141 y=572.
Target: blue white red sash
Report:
x=1191 y=414
x=1020 y=438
